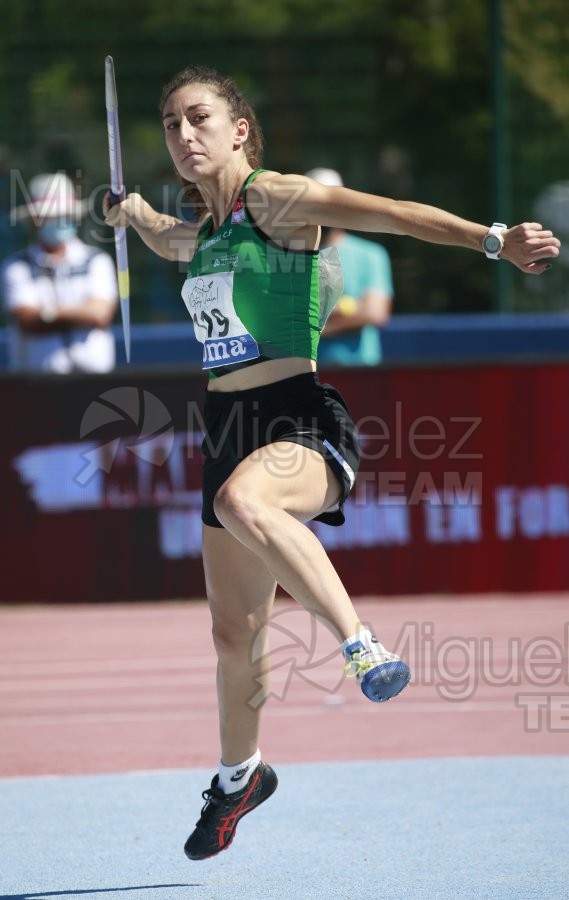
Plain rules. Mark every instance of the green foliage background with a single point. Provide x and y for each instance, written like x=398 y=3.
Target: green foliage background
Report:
x=396 y=95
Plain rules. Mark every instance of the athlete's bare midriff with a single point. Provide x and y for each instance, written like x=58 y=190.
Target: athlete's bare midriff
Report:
x=263 y=373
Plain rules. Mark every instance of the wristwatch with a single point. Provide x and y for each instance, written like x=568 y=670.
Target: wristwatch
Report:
x=493 y=242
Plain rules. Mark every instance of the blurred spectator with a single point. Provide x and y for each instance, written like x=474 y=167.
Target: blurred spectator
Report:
x=12 y=235
x=60 y=293
x=551 y=209
x=351 y=336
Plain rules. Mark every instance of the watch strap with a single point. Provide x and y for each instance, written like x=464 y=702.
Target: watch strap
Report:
x=495 y=229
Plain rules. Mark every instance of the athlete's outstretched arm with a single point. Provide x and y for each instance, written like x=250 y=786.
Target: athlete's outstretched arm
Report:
x=295 y=201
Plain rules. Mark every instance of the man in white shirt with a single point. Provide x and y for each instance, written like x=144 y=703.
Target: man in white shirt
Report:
x=60 y=293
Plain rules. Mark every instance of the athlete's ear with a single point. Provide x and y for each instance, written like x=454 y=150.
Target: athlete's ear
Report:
x=241 y=132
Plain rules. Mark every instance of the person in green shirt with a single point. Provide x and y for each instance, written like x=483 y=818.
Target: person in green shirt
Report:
x=280 y=448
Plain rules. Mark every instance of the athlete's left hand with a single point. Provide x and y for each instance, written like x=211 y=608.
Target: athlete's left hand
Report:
x=529 y=247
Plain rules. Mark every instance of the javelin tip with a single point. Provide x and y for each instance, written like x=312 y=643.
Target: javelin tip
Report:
x=111 y=101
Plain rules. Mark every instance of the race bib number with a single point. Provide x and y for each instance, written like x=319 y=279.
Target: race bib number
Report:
x=209 y=300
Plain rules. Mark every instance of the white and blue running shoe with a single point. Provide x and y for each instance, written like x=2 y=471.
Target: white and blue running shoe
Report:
x=382 y=675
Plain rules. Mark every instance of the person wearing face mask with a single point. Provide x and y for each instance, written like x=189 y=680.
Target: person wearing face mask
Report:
x=60 y=293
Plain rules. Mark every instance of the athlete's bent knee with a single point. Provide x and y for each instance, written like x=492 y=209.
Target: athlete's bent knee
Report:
x=234 y=503
x=234 y=642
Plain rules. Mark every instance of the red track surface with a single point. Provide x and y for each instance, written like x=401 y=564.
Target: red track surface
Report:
x=116 y=688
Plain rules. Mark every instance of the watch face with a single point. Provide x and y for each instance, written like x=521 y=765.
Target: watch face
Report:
x=492 y=243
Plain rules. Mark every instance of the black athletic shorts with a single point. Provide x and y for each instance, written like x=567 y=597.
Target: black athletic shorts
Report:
x=297 y=409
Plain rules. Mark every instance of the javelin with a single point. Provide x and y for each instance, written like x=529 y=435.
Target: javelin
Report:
x=118 y=193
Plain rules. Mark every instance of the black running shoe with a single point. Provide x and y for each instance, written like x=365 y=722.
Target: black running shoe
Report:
x=216 y=826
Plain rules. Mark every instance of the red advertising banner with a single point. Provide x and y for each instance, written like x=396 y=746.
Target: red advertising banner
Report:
x=464 y=484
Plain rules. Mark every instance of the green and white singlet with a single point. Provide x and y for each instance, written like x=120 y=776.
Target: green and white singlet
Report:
x=251 y=299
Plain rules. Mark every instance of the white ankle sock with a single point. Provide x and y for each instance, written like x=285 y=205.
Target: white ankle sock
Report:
x=234 y=778
x=364 y=636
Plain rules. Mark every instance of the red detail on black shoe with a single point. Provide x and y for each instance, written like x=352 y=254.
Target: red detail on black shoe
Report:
x=229 y=823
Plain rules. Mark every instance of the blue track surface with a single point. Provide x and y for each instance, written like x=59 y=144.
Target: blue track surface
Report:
x=436 y=829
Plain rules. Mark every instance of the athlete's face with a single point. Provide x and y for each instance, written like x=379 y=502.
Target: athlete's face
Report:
x=200 y=135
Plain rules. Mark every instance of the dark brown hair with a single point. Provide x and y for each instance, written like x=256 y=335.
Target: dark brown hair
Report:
x=239 y=108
